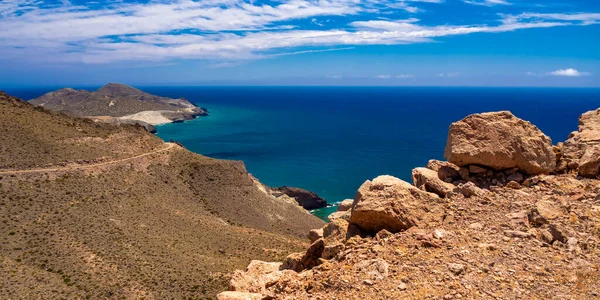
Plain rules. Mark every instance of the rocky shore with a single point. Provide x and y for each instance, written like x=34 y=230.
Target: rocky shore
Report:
x=509 y=215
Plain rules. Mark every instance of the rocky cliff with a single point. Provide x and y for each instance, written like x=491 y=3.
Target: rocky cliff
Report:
x=90 y=210
x=117 y=103
x=508 y=216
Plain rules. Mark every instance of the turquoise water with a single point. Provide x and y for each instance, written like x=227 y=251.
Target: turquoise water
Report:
x=331 y=139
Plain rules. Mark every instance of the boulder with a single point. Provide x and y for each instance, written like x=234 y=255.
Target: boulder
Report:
x=446 y=171
x=375 y=269
x=428 y=180
x=257 y=276
x=469 y=189
x=345 y=205
x=339 y=215
x=544 y=211
x=306 y=199
x=315 y=234
x=499 y=140
x=390 y=203
x=582 y=149
x=304 y=261
x=336 y=229
x=239 y=296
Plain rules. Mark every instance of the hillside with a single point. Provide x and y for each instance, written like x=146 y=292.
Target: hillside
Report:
x=120 y=102
x=508 y=216
x=90 y=210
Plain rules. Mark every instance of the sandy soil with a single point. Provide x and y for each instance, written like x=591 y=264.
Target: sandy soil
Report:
x=153 y=117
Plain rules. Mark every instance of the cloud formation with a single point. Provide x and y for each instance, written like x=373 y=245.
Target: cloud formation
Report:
x=569 y=73
x=229 y=29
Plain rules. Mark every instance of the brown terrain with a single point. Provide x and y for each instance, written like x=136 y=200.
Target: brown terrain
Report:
x=509 y=216
x=95 y=211
x=120 y=104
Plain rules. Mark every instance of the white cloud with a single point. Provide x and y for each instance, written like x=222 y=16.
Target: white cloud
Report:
x=487 y=2
x=405 y=76
x=383 y=76
x=569 y=73
x=452 y=74
x=223 y=30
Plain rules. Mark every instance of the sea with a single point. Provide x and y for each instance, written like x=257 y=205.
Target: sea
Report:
x=329 y=140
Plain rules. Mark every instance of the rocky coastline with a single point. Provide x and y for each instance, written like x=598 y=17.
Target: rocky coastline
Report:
x=509 y=215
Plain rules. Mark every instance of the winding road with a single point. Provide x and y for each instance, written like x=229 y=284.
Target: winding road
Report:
x=79 y=167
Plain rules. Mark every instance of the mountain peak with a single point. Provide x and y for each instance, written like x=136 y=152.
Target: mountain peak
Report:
x=118 y=89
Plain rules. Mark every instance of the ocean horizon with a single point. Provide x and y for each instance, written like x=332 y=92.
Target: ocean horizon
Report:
x=329 y=140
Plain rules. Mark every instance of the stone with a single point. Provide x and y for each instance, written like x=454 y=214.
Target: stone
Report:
x=476 y=226
x=490 y=247
x=336 y=229
x=345 y=205
x=582 y=149
x=517 y=177
x=239 y=296
x=499 y=140
x=473 y=169
x=293 y=262
x=456 y=269
x=402 y=286
x=257 y=275
x=469 y=189
x=354 y=231
x=395 y=205
x=315 y=234
x=375 y=269
x=312 y=255
x=558 y=233
x=331 y=251
x=428 y=180
x=513 y=185
x=445 y=170
x=344 y=215
x=546 y=236
x=306 y=199
x=589 y=164
x=517 y=234
x=544 y=211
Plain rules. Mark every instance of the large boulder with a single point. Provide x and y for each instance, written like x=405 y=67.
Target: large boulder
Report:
x=306 y=199
x=428 y=180
x=499 y=140
x=345 y=205
x=390 y=203
x=582 y=149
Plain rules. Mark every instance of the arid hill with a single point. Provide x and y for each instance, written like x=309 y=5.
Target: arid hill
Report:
x=90 y=210
x=508 y=217
x=118 y=103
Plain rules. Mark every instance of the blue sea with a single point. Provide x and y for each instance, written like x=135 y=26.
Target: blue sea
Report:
x=331 y=139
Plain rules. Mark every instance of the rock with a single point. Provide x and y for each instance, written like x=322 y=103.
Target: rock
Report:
x=353 y=231
x=589 y=164
x=293 y=262
x=375 y=269
x=428 y=180
x=402 y=286
x=572 y=244
x=546 y=236
x=517 y=177
x=345 y=205
x=582 y=149
x=345 y=215
x=336 y=229
x=473 y=169
x=464 y=173
x=487 y=246
x=476 y=226
x=306 y=199
x=513 y=185
x=382 y=234
x=239 y=296
x=558 y=233
x=499 y=140
x=312 y=255
x=445 y=170
x=544 y=211
x=520 y=218
x=456 y=269
x=517 y=234
x=258 y=274
x=315 y=234
x=331 y=251
x=392 y=204
x=469 y=189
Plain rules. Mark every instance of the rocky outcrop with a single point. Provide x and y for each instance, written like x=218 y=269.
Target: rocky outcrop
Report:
x=499 y=140
x=120 y=104
x=581 y=152
x=345 y=205
x=429 y=181
x=392 y=204
x=306 y=199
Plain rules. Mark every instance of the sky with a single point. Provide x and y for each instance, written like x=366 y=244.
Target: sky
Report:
x=301 y=42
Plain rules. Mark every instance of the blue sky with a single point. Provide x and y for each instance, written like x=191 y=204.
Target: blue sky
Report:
x=301 y=42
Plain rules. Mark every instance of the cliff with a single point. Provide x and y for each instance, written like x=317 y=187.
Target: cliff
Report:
x=118 y=103
x=508 y=216
x=91 y=210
